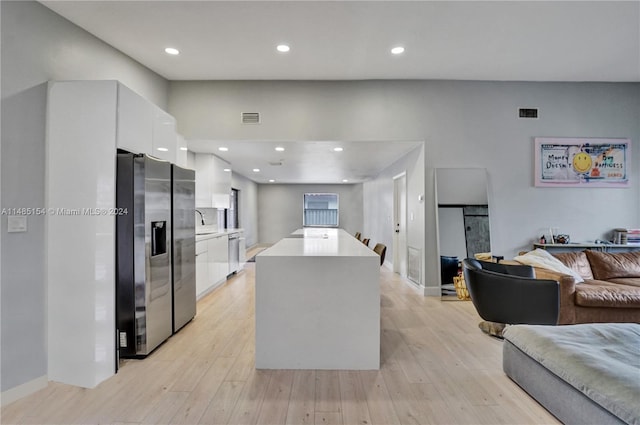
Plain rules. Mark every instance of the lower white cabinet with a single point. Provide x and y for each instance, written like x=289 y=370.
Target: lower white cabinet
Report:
x=218 y=259
x=242 y=255
x=202 y=268
x=212 y=263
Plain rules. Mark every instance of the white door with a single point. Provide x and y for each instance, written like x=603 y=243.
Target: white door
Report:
x=400 y=224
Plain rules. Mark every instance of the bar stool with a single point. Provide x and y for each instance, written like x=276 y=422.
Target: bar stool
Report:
x=381 y=250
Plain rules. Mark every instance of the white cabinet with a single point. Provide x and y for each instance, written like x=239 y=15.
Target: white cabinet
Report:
x=145 y=128
x=218 y=259
x=89 y=120
x=165 y=137
x=80 y=271
x=213 y=181
x=221 y=183
x=242 y=246
x=135 y=118
x=181 y=152
x=202 y=268
x=212 y=263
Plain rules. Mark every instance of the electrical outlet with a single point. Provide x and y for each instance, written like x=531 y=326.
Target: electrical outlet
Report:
x=16 y=223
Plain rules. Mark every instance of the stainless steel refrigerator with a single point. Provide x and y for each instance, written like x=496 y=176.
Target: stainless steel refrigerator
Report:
x=143 y=257
x=183 y=245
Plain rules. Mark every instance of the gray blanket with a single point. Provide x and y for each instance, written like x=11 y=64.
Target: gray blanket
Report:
x=602 y=360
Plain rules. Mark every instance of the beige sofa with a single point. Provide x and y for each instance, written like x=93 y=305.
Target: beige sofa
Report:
x=610 y=291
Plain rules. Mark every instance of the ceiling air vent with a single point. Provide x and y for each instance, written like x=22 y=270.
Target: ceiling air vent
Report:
x=275 y=163
x=250 y=117
x=528 y=113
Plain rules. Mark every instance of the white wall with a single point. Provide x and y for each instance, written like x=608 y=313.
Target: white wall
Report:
x=280 y=208
x=461 y=186
x=378 y=203
x=464 y=125
x=39 y=45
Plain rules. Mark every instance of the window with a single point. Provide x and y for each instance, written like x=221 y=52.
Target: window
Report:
x=320 y=210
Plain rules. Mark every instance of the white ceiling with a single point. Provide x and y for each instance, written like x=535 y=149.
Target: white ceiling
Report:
x=476 y=40
x=308 y=161
x=351 y=40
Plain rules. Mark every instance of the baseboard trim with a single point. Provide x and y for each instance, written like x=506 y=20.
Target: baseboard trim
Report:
x=432 y=291
x=211 y=289
x=23 y=390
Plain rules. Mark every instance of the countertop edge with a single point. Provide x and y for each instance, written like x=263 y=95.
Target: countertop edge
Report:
x=217 y=234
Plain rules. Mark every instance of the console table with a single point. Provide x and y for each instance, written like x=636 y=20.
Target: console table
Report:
x=572 y=247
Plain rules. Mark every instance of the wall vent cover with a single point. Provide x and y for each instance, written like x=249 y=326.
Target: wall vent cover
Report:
x=528 y=113
x=414 y=264
x=250 y=117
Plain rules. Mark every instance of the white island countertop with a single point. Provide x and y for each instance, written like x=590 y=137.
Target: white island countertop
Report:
x=318 y=303
x=318 y=242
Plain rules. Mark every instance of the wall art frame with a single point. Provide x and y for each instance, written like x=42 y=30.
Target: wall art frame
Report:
x=582 y=162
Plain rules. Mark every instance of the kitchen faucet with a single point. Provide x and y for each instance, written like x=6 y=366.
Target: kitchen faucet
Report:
x=201 y=217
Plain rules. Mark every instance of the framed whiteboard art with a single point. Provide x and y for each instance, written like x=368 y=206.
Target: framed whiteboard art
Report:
x=588 y=162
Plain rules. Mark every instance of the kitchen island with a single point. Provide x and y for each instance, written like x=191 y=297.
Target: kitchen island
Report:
x=318 y=303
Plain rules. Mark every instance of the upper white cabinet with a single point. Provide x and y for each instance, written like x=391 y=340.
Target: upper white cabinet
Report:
x=213 y=183
x=165 y=137
x=135 y=122
x=181 y=152
x=145 y=128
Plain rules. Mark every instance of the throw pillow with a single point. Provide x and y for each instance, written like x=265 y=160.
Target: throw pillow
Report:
x=541 y=258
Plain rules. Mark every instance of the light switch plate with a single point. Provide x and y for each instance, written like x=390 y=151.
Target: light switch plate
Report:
x=17 y=223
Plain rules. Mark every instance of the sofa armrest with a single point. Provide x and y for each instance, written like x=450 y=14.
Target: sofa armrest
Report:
x=567 y=286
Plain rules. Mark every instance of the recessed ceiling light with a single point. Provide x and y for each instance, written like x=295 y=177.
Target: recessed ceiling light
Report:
x=163 y=149
x=183 y=148
x=338 y=149
x=223 y=148
x=172 y=51
x=280 y=149
x=271 y=180
x=345 y=180
x=283 y=48
x=256 y=170
x=397 y=50
x=227 y=170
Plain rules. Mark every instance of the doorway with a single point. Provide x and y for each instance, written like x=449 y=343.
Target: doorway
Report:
x=400 y=224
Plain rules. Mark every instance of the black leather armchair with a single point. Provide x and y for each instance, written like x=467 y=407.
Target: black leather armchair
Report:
x=510 y=294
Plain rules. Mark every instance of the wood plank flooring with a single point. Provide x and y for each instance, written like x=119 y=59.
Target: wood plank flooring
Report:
x=437 y=368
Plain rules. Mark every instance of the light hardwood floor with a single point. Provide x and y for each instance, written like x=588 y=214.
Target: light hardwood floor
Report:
x=437 y=368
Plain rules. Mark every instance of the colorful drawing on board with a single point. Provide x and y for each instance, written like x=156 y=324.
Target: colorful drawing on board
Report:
x=572 y=162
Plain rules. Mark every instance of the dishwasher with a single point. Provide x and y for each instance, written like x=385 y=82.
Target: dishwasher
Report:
x=234 y=253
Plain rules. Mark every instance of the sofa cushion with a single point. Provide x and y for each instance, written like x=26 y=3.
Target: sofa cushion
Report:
x=605 y=294
x=576 y=261
x=629 y=281
x=605 y=266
